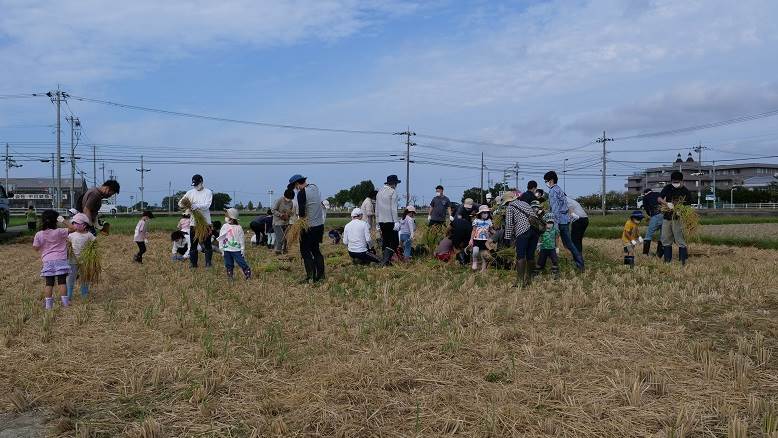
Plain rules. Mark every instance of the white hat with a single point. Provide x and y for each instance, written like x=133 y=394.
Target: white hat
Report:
x=232 y=213
x=484 y=209
x=410 y=209
x=356 y=212
x=468 y=203
x=326 y=204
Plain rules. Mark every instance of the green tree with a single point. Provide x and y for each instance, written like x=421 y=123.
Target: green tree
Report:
x=341 y=198
x=250 y=206
x=221 y=201
x=175 y=199
x=359 y=192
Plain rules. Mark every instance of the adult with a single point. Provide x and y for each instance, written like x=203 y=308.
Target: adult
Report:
x=282 y=210
x=655 y=218
x=356 y=237
x=200 y=197
x=561 y=211
x=674 y=194
x=580 y=222
x=529 y=195
x=467 y=209
x=518 y=229
x=90 y=202
x=310 y=208
x=461 y=230
x=257 y=225
x=368 y=209
x=267 y=225
x=439 y=208
x=387 y=217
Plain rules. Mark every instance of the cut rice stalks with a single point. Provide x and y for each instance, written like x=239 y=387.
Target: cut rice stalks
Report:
x=201 y=229
x=432 y=236
x=295 y=230
x=89 y=264
x=690 y=220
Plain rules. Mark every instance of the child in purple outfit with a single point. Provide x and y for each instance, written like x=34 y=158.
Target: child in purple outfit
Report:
x=52 y=244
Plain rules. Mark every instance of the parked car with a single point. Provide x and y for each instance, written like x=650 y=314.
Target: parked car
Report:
x=108 y=208
x=5 y=209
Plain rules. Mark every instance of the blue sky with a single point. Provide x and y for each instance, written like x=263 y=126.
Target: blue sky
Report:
x=543 y=77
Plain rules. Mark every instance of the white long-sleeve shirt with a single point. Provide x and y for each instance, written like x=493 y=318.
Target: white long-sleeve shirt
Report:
x=182 y=243
x=386 y=205
x=356 y=235
x=231 y=238
x=201 y=200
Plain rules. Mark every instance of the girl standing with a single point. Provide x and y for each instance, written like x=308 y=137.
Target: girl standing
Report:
x=78 y=240
x=52 y=244
x=482 y=231
x=141 y=235
x=232 y=242
x=407 y=229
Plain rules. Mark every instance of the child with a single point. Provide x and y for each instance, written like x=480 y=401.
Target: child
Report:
x=631 y=237
x=32 y=220
x=141 y=235
x=232 y=242
x=52 y=244
x=335 y=236
x=445 y=249
x=216 y=228
x=407 y=228
x=78 y=240
x=549 y=248
x=482 y=231
x=180 y=246
x=183 y=225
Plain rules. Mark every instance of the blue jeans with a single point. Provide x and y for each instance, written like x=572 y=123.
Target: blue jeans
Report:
x=71 y=282
x=233 y=257
x=407 y=243
x=567 y=241
x=654 y=225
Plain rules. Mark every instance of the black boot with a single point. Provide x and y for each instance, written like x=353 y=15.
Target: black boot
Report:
x=530 y=270
x=659 y=249
x=555 y=271
x=521 y=273
x=387 y=260
x=626 y=260
x=683 y=254
x=667 y=252
x=647 y=247
x=631 y=262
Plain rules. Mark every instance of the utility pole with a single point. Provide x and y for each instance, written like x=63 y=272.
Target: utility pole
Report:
x=102 y=167
x=270 y=194
x=564 y=175
x=714 y=184
x=9 y=163
x=57 y=97
x=142 y=171
x=94 y=163
x=75 y=125
x=482 y=178
x=517 y=176
x=603 y=140
x=110 y=171
x=408 y=143
x=699 y=149
x=170 y=196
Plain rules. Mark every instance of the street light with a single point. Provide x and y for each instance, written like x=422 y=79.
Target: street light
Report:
x=731 y=197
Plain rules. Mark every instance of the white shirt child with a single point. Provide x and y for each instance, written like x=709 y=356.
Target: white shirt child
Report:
x=231 y=238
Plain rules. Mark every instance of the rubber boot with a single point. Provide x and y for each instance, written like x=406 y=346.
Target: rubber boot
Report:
x=48 y=303
x=626 y=260
x=65 y=300
x=631 y=261
x=476 y=250
x=230 y=273
x=531 y=269
x=683 y=254
x=247 y=273
x=667 y=252
x=659 y=249
x=387 y=260
x=521 y=272
x=84 y=290
x=555 y=271
x=647 y=247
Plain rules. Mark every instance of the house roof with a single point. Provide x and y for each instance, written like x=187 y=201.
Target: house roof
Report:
x=41 y=183
x=759 y=181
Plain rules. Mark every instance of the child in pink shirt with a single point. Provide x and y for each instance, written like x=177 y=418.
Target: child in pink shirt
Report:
x=52 y=244
x=141 y=235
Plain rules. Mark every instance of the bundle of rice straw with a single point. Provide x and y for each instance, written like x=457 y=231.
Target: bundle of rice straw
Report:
x=201 y=231
x=432 y=236
x=689 y=218
x=89 y=266
x=295 y=230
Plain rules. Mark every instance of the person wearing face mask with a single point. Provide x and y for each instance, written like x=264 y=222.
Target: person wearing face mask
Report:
x=387 y=217
x=672 y=230
x=561 y=210
x=440 y=208
x=201 y=198
x=310 y=207
x=482 y=232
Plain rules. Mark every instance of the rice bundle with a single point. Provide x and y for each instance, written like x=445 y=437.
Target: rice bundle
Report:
x=690 y=220
x=89 y=265
x=295 y=230
x=201 y=231
x=432 y=236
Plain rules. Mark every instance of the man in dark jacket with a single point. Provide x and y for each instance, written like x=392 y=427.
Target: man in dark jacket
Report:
x=672 y=230
x=651 y=206
x=529 y=195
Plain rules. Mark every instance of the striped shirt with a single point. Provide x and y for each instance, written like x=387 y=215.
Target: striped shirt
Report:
x=516 y=221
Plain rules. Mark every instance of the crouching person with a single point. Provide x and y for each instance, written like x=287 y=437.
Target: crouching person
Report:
x=232 y=242
x=356 y=236
x=180 y=241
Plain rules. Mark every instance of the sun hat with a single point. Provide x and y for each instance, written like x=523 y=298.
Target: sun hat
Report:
x=508 y=197
x=356 y=212
x=549 y=217
x=637 y=214
x=468 y=203
x=410 y=209
x=392 y=179
x=295 y=178
x=484 y=209
x=535 y=204
x=232 y=213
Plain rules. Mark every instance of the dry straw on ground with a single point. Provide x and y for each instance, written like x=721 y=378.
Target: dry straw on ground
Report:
x=421 y=349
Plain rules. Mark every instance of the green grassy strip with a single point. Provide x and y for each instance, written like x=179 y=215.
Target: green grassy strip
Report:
x=615 y=233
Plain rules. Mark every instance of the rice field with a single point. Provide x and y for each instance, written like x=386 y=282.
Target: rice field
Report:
x=421 y=349
x=750 y=231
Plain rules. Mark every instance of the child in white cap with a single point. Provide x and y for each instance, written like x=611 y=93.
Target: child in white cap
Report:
x=482 y=232
x=232 y=242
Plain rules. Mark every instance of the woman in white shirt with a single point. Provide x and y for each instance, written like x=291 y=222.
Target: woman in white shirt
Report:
x=356 y=236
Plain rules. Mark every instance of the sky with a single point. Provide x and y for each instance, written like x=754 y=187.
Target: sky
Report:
x=527 y=83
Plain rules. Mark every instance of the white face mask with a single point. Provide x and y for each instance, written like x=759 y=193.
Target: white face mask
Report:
x=676 y=185
x=226 y=220
x=438 y=193
x=199 y=187
x=549 y=184
x=484 y=215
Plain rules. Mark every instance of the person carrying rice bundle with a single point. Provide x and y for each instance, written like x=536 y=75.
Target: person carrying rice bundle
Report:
x=78 y=240
x=311 y=226
x=198 y=201
x=90 y=202
x=672 y=195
